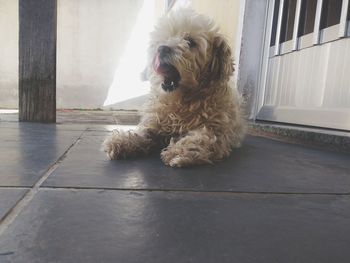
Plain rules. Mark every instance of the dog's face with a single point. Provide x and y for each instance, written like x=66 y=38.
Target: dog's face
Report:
x=187 y=52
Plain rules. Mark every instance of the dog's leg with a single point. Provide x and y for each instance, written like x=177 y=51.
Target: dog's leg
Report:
x=197 y=147
x=121 y=144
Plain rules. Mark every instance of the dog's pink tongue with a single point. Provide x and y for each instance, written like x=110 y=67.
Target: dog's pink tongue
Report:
x=157 y=64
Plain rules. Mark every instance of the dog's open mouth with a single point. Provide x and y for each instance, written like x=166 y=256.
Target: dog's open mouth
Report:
x=169 y=72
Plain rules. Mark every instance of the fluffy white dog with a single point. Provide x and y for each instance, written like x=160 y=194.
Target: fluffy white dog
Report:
x=194 y=112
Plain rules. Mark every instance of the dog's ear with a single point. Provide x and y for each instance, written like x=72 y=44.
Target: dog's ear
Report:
x=222 y=63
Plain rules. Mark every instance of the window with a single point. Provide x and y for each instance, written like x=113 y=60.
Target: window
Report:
x=348 y=20
x=331 y=11
x=307 y=17
x=274 y=23
x=288 y=17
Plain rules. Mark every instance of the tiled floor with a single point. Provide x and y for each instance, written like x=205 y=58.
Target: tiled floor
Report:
x=62 y=201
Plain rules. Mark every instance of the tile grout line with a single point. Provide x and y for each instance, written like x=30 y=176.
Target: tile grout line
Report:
x=191 y=191
x=12 y=214
x=52 y=187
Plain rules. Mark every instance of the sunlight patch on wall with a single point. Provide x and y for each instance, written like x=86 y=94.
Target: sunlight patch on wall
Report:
x=127 y=82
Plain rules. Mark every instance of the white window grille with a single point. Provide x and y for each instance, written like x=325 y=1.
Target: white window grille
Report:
x=304 y=73
x=299 y=24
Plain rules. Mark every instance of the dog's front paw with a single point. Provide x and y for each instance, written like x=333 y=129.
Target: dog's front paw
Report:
x=122 y=145
x=166 y=155
x=179 y=161
x=119 y=145
x=112 y=146
x=173 y=159
x=180 y=155
x=170 y=159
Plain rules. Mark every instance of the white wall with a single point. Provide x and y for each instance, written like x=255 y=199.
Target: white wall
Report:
x=9 y=53
x=225 y=14
x=91 y=37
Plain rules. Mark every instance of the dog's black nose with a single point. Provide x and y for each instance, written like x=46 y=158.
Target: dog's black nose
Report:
x=164 y=50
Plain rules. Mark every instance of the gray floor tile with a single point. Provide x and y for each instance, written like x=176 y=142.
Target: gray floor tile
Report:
x=8 y=198
x=69 y=226
x=28 y=150
x=33 y=126
x=261 y=165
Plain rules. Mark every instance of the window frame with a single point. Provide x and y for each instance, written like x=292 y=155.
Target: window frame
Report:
x=307 y=40
x=317 y=37
x=336 y=31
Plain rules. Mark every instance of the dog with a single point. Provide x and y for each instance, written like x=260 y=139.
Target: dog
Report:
x=194 y=113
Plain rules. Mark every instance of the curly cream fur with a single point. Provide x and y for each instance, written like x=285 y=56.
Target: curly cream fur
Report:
x=201 y=120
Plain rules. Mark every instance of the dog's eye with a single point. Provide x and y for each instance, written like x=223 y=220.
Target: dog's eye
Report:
x=191 y=42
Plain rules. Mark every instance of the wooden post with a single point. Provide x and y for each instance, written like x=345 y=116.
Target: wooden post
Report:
x=37 y=60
